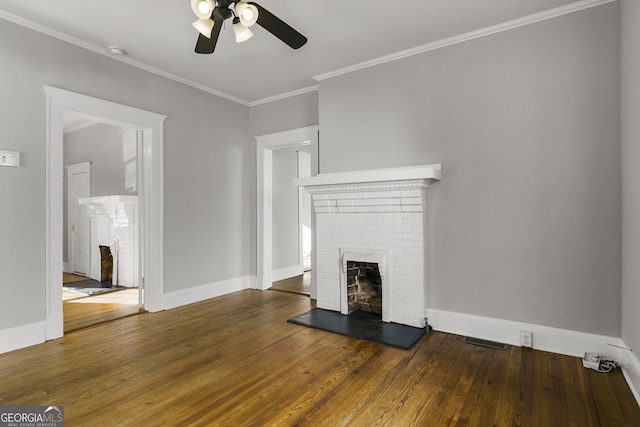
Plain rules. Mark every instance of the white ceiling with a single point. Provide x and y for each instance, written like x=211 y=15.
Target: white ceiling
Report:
x=158 y=36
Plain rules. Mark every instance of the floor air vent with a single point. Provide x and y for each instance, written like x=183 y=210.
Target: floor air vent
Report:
x=485 y=343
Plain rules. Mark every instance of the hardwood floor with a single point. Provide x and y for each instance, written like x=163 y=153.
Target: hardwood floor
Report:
x=297 y=285
x=235 y=361
x=71 y=278
x=81 y=311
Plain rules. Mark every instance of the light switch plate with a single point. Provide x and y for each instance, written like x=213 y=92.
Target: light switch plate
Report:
x=10 y=158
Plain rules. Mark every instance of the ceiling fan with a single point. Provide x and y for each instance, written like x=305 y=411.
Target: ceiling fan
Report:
x=212 y=14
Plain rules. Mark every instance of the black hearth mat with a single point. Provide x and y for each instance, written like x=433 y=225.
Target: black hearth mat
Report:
x=91 y=287
x=362 y=325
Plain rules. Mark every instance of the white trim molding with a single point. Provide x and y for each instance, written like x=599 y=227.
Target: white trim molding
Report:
x=375 y=178
x=287 y=272
x=284 y=96
x=265 y=144
x=105 y=52
x=487 y=31
x=58 y=103
x=545 y=338
x=200 y=293
x=22 y=336
x=530 y=19
x=631 y=372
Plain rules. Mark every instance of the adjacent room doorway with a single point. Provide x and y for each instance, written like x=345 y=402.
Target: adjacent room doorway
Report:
x=101 y=283
x=150 y=125
x=266 y=144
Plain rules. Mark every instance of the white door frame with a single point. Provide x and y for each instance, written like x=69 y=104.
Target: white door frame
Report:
x=302 y=201
x=265 y=144
x=58 y=103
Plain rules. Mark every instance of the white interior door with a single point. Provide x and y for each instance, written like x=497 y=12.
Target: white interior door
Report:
x=79 y=186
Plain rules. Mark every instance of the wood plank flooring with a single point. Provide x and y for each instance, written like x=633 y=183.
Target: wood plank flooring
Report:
x=85 y=311
x=297 y=285
x=81 y=311
x=235 y=361
x=71 y=278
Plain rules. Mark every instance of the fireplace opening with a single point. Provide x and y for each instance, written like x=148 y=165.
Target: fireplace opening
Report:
x=106 y=264
x=364 y=287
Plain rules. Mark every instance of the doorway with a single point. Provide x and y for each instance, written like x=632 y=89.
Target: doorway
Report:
x=266 y=144
x=100 y=283
x=291 y=221
x=60 y=102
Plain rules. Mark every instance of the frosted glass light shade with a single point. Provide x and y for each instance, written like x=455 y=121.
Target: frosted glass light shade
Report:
x=202 y=8
x=242 y=32
x=204 y=27
x=247 y=13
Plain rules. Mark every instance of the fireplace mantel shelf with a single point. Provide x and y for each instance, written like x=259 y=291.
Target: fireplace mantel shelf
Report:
x=374 y=216
x=425 y=172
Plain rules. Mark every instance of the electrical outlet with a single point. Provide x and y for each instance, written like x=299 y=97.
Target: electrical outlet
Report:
x=526 y=339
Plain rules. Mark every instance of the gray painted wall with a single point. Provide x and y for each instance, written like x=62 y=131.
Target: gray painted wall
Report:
x=209 y=171
x=112 y=154
x=285 y=223
x=630 y=13
x=525 y=224
x=285 y=114
x=111 y=150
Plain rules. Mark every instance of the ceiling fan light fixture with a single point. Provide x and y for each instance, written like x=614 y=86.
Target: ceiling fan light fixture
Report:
x=204 y=27
x=202 y=8
x=242 y=33
x=247 y=13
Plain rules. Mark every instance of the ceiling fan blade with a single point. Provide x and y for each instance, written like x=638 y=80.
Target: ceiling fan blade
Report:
x=279 y=28
x=208 y=45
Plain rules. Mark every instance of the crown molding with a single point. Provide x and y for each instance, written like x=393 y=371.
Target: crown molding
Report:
x=472 y=35
x=105 y=52
x=505 y=26
x=284 y=95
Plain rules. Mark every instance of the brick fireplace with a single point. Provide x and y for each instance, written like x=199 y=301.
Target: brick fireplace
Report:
x=114 y=225
x=376 y=219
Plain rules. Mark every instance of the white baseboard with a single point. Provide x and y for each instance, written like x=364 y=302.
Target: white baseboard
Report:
x=554 y=340
x=631 y=372
x=66 y=267
x=54 y=326
x=285 y=273
x=211 y=290
x=22 y=336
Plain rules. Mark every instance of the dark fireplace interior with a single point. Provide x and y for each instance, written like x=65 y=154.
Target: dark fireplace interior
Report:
x=364 y=287
x=106 y=264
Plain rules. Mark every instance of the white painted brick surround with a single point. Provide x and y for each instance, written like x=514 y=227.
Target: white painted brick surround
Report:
x=114 y=223
x=374 y=217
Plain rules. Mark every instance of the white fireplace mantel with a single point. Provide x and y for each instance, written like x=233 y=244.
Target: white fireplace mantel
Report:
x=377 y=216
x=429 y=173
